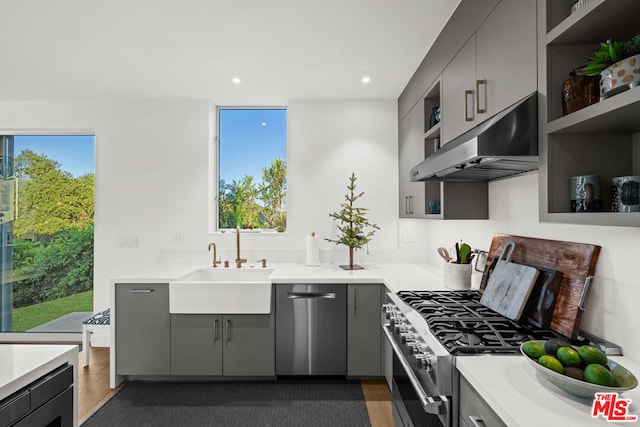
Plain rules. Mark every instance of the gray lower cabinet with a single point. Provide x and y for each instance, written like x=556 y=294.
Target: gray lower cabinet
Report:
x=230 y=345
x=249 y=345
x=142 y=327
x=364 y=333
x=474 y=411
x=196 y=344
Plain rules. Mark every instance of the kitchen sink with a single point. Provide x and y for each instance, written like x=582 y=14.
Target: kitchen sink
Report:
x=227 y=274
x=222 y=291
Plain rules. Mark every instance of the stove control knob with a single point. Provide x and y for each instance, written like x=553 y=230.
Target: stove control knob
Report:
x=389 y=310
x=401 y=328
x=417 y=348
x=424 y=361
x=406 y=337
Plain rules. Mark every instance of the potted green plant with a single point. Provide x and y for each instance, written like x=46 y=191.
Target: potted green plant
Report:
x=617 y=63
x=353 y=224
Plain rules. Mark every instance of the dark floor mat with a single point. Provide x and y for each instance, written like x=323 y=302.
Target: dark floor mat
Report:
x=283 y=403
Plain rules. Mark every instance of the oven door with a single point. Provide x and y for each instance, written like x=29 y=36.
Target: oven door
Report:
x=412 y=404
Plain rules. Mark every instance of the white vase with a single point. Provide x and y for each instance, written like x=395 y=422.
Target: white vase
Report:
x=619 y=77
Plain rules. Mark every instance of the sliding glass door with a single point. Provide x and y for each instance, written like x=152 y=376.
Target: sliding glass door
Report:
x=47 y=207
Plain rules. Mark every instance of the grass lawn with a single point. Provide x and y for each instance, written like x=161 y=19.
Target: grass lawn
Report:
x=25 y=318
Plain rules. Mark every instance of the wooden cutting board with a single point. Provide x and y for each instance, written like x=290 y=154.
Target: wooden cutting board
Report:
x=576 y=262
x=509 y=286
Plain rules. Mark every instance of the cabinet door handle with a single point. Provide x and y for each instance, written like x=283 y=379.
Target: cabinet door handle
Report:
x=215 y=330
x=311 y=295
x=141 y=291
x=477 y=421
x=228 y=332
x=479 y=110
x=355 y=303
x=410 y=205
x=406 y=205
x=468 y=93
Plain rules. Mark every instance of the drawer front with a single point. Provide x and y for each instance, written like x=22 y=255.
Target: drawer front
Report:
x=51 y=385
x=474 y=412
x=14 y=407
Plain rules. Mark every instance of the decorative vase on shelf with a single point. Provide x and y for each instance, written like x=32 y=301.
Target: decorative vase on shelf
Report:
x=622 y=75
x=435 y=117
x=579 y=91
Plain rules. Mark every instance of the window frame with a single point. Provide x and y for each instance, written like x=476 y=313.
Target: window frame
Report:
x=216 y=167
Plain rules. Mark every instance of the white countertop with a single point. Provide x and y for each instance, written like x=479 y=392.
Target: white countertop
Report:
x=21 y=364
x=396 y=277
x=522 y=398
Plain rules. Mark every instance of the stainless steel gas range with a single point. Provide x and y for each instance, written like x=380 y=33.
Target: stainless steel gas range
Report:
x=428 y=330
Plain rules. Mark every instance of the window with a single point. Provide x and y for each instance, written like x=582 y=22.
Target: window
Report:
x=46 y=225
x=252 y=179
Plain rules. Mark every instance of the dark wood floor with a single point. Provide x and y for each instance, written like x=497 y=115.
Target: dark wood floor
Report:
x=94 y=391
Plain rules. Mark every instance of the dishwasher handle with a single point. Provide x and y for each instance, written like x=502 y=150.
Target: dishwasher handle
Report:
x=311 y=295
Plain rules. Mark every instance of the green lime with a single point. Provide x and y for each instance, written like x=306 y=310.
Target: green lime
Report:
x=551 y=362
x=533 y=349
x=590 y=354
x=598 y=374
x=568 y=356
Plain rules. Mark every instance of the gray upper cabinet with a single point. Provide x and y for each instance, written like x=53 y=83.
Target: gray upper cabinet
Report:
x=143 y=333
x=506 y=57
x=411 y=152
x=364 y=333
x=458 y=93
x=494 y=69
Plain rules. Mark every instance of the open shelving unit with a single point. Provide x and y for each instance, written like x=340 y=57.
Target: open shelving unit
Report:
x=602 y=139
x=433 y=190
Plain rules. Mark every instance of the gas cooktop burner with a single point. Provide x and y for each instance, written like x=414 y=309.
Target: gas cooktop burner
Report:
x=464 y=326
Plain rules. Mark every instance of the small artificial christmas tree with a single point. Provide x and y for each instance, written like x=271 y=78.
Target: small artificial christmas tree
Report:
x=353 y=224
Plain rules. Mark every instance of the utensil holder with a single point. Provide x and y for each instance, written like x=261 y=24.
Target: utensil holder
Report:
x=456 y=276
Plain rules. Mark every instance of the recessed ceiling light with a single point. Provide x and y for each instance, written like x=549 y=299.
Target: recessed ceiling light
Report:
x=235 y=80
x=366 y=80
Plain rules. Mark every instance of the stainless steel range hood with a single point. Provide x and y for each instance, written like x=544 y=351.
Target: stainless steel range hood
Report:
x=504 y=145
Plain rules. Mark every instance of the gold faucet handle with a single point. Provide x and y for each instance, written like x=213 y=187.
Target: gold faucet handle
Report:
x=263 y=261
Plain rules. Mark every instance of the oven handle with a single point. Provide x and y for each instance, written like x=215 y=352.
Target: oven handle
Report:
x=430 y=404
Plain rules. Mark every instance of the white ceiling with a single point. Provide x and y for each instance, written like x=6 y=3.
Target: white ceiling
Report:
x=280 y=49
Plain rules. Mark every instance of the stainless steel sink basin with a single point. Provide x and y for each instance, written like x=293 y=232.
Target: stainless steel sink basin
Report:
x=222 y=291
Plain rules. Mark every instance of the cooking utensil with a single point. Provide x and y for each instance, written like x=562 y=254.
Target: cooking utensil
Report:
x=509 y=286
x=444 y=253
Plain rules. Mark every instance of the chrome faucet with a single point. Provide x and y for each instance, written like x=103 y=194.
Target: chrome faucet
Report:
x=215 y=262
x=239 y=261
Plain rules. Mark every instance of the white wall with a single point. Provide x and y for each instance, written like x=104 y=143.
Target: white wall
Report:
x=613 y=305
x=152 y=175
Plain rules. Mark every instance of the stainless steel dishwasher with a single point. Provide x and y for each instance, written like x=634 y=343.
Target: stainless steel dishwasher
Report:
x=311 y=329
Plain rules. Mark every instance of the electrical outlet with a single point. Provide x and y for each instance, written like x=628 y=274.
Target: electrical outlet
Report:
x=127 y=241
x=177 y=239
x=409 y=238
